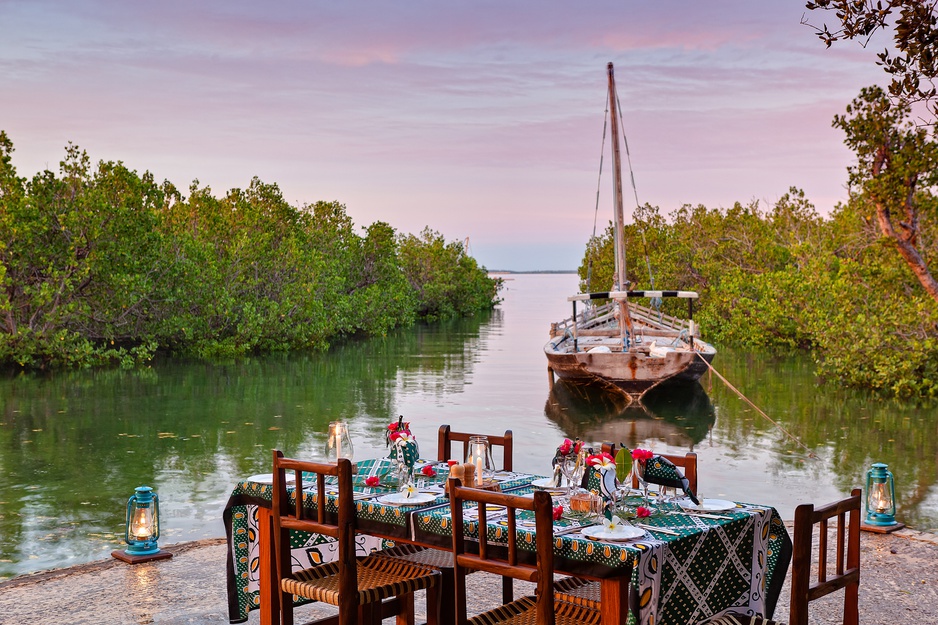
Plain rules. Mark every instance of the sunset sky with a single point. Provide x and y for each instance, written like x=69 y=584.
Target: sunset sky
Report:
x=482 y=120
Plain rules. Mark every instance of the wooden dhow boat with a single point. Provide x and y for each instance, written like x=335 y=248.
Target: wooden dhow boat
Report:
x=622 y=345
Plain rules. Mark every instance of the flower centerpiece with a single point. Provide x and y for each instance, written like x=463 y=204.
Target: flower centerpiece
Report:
x=569 y=462
x=403 y=449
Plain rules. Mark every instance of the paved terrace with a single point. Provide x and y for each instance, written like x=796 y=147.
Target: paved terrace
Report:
x=898 y=586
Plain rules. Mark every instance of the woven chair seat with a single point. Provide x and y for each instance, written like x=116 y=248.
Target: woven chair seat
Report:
x=523 y=611
x=742 y=619
x=578 y=591
x=434 y=558
x=378 y=578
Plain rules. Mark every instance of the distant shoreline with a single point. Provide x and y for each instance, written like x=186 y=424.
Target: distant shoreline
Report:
x=498 y=271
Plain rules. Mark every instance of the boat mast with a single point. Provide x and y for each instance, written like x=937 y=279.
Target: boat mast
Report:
x=625 y=324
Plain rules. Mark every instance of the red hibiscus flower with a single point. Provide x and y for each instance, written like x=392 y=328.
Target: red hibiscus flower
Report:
x=374 y=480
x=558 y=512
x=642 y=512
x=642 y=454
x=428 y=470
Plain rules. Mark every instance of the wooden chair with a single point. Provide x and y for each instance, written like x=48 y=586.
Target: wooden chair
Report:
x=442 y=560
x=846 y=566
x=447 y=436
x=542 y=609
x=363 y=588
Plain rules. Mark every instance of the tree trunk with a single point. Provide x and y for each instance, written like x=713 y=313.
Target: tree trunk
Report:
x=908 y=252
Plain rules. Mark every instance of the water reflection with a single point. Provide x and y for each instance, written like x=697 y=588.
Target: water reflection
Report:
x=73 y=446
x=679 y=414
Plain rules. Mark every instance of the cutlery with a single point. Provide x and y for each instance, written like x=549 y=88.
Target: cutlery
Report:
x=570 y=530
x=704 y=515
x=652 y=528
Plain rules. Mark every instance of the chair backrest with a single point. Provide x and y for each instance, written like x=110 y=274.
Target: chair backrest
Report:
x=687 y=463
x=294 y=514
x=846 y=567
x=447 y=436
x=501 y=560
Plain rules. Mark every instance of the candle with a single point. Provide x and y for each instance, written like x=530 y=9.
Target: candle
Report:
x=479 y=470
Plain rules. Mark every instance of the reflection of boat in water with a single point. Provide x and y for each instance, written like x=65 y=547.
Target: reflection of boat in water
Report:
x=677 y=413
x=621 y=345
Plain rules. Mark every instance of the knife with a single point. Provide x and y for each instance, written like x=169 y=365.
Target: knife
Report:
x=652 y=528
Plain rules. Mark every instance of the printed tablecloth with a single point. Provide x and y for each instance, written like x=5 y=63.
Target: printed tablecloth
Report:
x=707 y=568
x=241 y=519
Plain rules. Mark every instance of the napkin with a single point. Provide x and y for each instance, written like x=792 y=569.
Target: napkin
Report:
x=662 y=471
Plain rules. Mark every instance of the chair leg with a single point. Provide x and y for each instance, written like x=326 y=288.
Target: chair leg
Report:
x=508 y=590
x=441 y=604
x=405 y=615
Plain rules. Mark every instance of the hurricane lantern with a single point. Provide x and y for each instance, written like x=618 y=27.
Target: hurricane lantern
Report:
x=339 y=442
x=142 y=528
x=880 y=499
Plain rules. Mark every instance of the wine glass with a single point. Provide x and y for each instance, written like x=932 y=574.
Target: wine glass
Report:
x=572 y=469
x=638 y=468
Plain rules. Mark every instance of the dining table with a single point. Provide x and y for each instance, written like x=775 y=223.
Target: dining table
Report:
x=676 y=566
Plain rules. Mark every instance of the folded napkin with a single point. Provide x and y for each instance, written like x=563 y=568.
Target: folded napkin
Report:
x=662 y=471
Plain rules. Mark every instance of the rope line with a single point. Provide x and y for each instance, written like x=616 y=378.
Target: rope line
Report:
x=791 y=436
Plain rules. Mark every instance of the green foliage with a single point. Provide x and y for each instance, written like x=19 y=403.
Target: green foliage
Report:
x=445 y=280
x=105 y=265
x=787 y=278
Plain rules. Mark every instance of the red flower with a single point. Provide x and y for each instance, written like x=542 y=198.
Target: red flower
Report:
x=392 y=427
x=642 y=512
x=558 y=512
x=577 y=446
x=642 y=454
x=394 y=435
x=565 y=446
x=597 y=460
x=374 y=480
x=428 y=471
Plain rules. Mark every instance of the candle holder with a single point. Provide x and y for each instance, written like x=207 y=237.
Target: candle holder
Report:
x=479 y=454
x=142 y=528
x=339 y=442
x=880 y=501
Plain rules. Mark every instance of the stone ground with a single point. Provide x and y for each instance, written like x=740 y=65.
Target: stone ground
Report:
x=898 y=586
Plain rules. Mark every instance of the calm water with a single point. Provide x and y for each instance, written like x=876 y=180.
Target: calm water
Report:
x=74 y=445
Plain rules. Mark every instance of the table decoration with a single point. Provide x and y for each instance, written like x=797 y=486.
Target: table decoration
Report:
x=338 y=442
x=403 y=449
x=603 y=468
x=570 y=458
x=661 y=471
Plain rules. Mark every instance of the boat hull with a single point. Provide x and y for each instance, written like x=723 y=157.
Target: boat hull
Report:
x=633 y=372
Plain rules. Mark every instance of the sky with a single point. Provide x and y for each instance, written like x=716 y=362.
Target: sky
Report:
x=481 y=120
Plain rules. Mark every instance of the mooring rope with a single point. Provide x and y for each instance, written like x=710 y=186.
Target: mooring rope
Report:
x=791 y=436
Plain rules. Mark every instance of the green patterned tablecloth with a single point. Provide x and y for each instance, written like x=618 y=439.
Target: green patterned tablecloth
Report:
x=707 y=567
x=240 y=517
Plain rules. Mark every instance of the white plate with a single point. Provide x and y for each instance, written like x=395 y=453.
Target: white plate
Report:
x=546 y=483
x=707 y=505
x=268 y=478
x=398 y=499
x=625 y=532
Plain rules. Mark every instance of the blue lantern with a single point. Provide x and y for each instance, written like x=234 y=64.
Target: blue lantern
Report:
x=880 y=496
x=142 y=528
